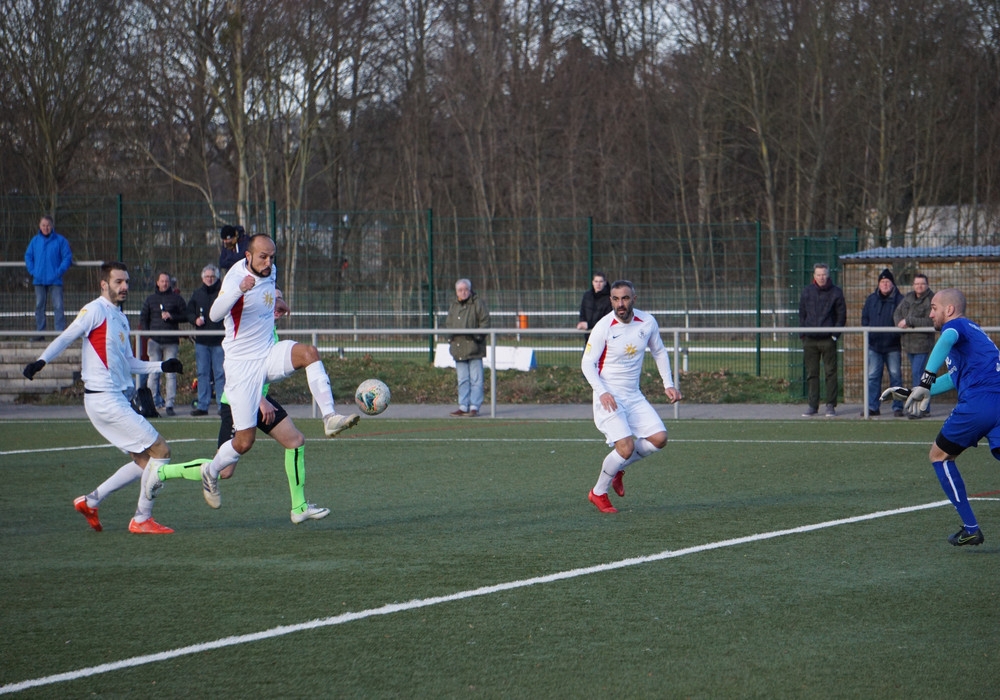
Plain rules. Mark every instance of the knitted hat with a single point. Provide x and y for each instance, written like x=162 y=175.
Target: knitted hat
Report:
x=886 y=274
x=227 y=231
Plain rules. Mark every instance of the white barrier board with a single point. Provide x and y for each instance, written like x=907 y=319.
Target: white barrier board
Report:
x=508 y=357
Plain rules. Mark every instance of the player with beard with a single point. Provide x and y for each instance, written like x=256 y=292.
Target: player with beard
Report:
x=612 y=363
x=107 y=366
x=253 y=358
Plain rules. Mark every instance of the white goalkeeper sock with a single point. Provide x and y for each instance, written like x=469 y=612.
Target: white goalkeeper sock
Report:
x=319 y=385
x=126 y=474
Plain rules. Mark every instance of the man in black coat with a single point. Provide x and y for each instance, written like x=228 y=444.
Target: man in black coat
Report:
x=595 y=305
x=821 y=306
x=163 y=310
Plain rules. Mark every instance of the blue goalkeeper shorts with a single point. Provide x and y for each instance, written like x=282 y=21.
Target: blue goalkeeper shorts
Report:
x=971 y=421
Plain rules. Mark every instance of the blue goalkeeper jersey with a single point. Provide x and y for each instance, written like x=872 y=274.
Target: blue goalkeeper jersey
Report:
x=973 y=360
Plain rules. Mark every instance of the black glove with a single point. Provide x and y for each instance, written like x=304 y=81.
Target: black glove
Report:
x=927 y=380
x=172 y=366
x=34 y=368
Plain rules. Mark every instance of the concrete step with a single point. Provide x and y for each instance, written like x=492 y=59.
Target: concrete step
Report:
x=60 y=374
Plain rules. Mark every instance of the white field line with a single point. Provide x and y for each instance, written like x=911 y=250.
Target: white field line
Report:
x=391 y=608
x=389 y=438
x=40 y=450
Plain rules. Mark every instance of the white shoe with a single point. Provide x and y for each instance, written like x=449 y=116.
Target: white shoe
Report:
x=151 y=482
x=210 y=487
x=312 y=512
x=334 y=424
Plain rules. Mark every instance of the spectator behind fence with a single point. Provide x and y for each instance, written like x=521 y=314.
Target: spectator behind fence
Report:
x=883 y=348
x=821 y=305
x=207 y=348
x=914 y=312
x=47 y=258
x=595 y=305
x=468 y=312
x=163 y=310
x=235 y=243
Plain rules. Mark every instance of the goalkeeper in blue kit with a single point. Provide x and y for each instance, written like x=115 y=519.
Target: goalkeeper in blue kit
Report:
x=973 y=364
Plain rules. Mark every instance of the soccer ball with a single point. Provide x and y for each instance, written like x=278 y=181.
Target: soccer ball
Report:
x=372 y=396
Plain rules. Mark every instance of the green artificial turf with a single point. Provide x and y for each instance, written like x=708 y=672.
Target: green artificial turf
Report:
x=430 y=509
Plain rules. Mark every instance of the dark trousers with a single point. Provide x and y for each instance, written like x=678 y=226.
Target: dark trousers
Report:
x=814 y=350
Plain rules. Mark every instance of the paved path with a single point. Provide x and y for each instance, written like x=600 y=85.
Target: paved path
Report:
x=685 y=411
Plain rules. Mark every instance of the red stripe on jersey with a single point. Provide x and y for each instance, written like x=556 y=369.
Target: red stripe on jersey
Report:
x=237 y=312
x=98 y=339
x=600 y=360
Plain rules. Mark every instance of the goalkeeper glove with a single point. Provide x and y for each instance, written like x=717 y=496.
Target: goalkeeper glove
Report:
x=30 y=370
x=919 y=401
x=920 y=396
x=896 y=393
x=172 y=366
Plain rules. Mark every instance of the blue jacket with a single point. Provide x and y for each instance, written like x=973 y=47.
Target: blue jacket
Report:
x=878 y=311
x=48 y=258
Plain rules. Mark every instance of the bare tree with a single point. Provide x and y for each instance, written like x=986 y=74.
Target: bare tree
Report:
x=61 y=83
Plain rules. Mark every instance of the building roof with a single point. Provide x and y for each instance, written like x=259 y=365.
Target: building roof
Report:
x=926 y=252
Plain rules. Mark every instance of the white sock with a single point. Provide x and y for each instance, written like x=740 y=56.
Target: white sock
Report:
x=126 y=474
x=144 y=509
x=644 y=448
x=226 y=455
x=319 y=385
x=613 y=464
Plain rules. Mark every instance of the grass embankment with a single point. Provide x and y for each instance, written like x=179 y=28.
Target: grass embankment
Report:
x=419 y=382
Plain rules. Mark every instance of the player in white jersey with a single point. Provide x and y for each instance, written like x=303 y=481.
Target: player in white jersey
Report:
x=612 y=363
x=107 y=368
x=253 y=358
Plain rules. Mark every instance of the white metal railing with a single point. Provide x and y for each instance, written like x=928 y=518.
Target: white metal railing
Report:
x=671 y=336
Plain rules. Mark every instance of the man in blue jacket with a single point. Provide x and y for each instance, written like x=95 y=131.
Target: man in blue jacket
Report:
x=48 y=257
x=884 y=349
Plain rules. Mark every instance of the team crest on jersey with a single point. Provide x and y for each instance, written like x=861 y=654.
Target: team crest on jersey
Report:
x=630 y=350
x=268 y=300
x=121 y=337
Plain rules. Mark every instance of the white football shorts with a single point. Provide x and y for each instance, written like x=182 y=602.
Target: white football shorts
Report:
x=111 y=413
x=245 y=380
x=632 y=418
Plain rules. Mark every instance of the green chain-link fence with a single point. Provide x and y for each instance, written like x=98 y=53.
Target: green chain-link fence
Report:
x=396 y=269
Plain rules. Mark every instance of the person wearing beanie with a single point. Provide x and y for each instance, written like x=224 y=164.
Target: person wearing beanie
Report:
x=234 y=247
x=884 y=349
